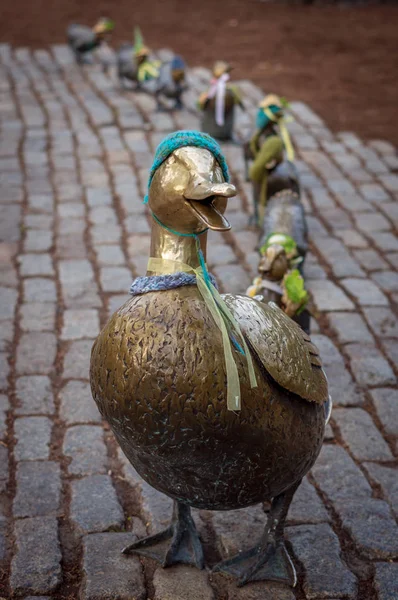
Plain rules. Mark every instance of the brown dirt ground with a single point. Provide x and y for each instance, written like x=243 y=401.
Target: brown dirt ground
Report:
x=341 y=60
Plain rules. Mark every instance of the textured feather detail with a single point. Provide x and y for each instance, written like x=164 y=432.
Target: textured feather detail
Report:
x=284 y=350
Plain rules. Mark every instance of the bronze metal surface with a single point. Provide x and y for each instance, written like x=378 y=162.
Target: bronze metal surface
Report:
x=158 y=374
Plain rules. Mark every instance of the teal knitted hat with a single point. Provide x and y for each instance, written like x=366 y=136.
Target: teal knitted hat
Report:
x=181 y=139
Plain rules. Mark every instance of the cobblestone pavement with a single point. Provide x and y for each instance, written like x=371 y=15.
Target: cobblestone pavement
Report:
x=74 y=159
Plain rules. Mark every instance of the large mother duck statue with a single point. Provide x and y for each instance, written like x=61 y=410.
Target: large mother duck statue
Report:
x=220 y=402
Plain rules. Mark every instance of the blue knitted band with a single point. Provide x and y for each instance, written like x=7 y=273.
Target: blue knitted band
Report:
x=262 y=119
x=181 y=139
x=158 y=283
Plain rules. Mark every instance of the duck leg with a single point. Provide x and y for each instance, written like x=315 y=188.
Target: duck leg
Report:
x=268 y=560
x=184 y=545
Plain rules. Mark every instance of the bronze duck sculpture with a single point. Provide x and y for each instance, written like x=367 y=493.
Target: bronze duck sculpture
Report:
x=217 y=104
x=160 y=376
x=134 y=63
x=283 y=247
x=269 y=171
x=82 y=39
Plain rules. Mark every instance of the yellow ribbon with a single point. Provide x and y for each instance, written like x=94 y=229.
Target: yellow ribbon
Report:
x=221 y=315
x=284 y=133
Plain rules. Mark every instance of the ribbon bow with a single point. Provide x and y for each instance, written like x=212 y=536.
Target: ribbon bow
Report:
x=218 y=89
x=223 y=319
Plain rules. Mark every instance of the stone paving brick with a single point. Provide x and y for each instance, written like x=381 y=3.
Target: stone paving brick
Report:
x=307 y=507
x=36 y=353
x=4 y=407
x=232 y=278
x=156 y=507
x=386 y=242
x=372 y=222
x=372 y=527
x=350 y=327
x=6 y=335
x=36 y=566
x=236 y=529
x=338 y=476
x=110 y=255
x=369 y=366
x=260 y=591
x=4 y=370
x=370 y=260
x=115 y=279
x=38 y=316
x=77 y=404
x=341 y=385
x=94 y=504
x=4 y=471
x=386 y=478
x=327 y=577
x=8 y=301
x=84 y=444
x=391 y=348
x=35 y=264
x=387 y=280
x=386 y=581
x=80 y=324
x=33 y=438
x=38 y=489
x=77 y=360
x=365 y=291
x=336 y=255
x=373 y=192
x=329 y=297
x=108 y=573
x=385 y=401
x=34 y=395
x=361 y=435
x=383 y=321
x=39 y=289
x=78 y=285
x=352 y=238
x=390 y=182
x=182 y=582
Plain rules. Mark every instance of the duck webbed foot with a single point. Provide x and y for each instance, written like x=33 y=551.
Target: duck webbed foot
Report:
x=178 y=543
x=269 y=559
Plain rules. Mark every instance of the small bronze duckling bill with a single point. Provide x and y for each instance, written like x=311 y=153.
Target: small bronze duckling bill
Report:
x=162 y=372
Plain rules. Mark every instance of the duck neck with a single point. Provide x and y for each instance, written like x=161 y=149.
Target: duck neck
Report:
x=170 y=246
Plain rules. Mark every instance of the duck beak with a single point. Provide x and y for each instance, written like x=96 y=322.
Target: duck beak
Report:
x=201 y=197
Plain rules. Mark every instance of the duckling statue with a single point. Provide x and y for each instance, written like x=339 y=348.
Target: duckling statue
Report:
x=171 y=82
x=218 y=103
x=218 y=401
x=83 y=40
x=134 y=63
x=283 y=248
x=269 y=171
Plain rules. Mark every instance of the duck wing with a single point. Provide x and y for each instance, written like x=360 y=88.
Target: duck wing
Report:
x=282 y=347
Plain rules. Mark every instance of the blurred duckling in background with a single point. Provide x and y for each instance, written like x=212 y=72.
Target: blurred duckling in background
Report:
x=134 y=64
x=171 y=83
x=218 y=103
x=83 y=40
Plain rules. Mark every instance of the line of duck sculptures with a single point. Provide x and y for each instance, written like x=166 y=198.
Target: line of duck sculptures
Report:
x=136 y=68
x=218 y=400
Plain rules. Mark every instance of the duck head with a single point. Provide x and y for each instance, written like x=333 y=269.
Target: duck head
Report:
x=103 y=26
x=188 y=191
x=221 y=67
x=273 y=263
